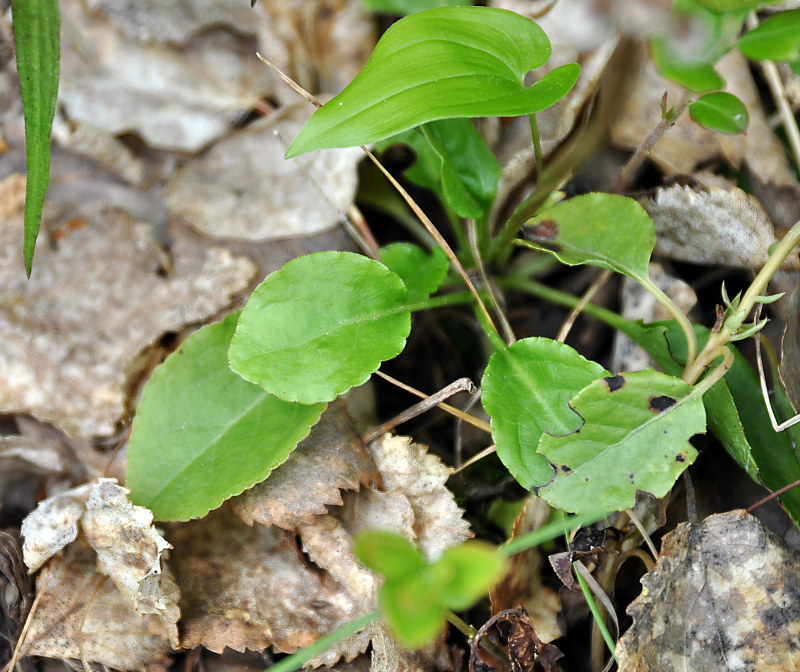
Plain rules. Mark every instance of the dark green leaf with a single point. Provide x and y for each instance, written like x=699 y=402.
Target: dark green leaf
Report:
x=202 y=434
x=422 y=273
x=36 y=40
x=439 y=64
x=320 y=325
x=526 y=391
x=776 y=39
x=388 y=553
x=720 y=111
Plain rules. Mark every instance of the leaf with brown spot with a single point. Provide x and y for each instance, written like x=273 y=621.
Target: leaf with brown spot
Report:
x=722 y=597
x=331 y=459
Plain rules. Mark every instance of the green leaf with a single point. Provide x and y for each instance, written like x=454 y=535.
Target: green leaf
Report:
x=720 y=111
x=635 y=437
x=36 y=26
x=409 y=6
x=439 y=64
x=776 y=39
x=733 y=6
x=695 y=73
x=388 y=553
x=422 y=273
x=202 y=434
x=475 y=566
x=320 y=325
x=526 y=392
x=412 y=605
x=602 y=230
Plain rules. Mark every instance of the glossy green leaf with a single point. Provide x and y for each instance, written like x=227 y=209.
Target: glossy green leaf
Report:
x=421 y=272
x=409 y=6
x=526 y=392
x=476 y=567
x=36 y=25
x=720 y=111
x=635 y=437
x=695 y=73
x=412 y=606
x=776 y=39
x=440 y=64
x=604 y=230
x=202 y=434
x=320 y=325
x=388 y=553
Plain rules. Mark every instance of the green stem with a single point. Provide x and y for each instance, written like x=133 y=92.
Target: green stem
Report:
x=299 y=659
x=537 y=146
x=598 y=617
x=462 y=626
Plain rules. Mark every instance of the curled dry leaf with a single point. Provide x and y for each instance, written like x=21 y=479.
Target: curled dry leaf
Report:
x=82 y=615
x=522 y=584
x=332 y=458
x=790 y=352
x=223 y=194
x=723 y=597
x=51 y=526
x=69 y=337
x=715 y=226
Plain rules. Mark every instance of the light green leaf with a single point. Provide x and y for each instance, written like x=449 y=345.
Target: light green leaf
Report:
x=202 y=434
x=602 y=230
x=720 y=111
x=776 y=39
x=635 y=437
x=36 y=25
x=526 y=392
x=388 y=553
x=695 y=73
x=412 y=605
x=320 y=325
x=439 y=64
x=733 y=6
x=422 y=273
x=475 y=566
x=409 y=6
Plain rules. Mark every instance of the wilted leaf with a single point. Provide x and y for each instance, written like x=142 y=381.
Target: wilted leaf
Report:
x=209 y=446
x=244 y=189
x=526 y=392
x=51 y=526
x=723 y=597
x=296 y=351
x=82 y=615
x=790 y=352
x=720 y=111
x=715 y=226
x=69 y=336
x=329 y=460
x=635 y=437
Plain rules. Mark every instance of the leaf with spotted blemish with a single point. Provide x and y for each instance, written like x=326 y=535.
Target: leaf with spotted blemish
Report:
x=635 y=437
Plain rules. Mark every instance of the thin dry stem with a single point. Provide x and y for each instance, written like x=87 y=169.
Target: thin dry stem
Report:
x=647 y=540
x=598 y=282
x=475 y=458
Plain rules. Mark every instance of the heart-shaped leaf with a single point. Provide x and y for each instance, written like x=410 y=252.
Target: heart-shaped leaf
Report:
x=635 y=437
x=720 y=111
x=776 y=39
x=438 y=64
x=320 y=325
x=202 y=434
x=526 y=392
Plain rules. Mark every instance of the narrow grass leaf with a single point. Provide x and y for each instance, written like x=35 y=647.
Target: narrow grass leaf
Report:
x=36 y=26
x=526 y=392
x=720 y=111
x=202 y=434
x=320 y=325
x=438 y=64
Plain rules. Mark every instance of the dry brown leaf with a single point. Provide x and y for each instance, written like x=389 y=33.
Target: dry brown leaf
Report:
x=723 y=597
x=522 y=583
x=179 y=99
x=51 y=526
x=332 y=458
x=714 y=226
x=68 y=336
x=244 y=189
x=790 y=352
x=82 y=615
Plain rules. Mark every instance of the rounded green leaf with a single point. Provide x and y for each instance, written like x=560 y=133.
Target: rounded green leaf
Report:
x=476 y=566
x=526 y=392
x=412 y=606
x=604 y=230
x=320 y=325
x=776 y=39
x=422 y=273
x=696 y=74
x=202 y=434
x=388 y=553
x=635 y=436
x=438 y=64
x=721 y=112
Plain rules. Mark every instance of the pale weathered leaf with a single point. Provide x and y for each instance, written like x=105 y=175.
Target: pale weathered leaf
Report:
x=329 y=460
x=723 y=597
x=102 y=292
x=51 y=526
x=713 y=226
x=244 y=189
